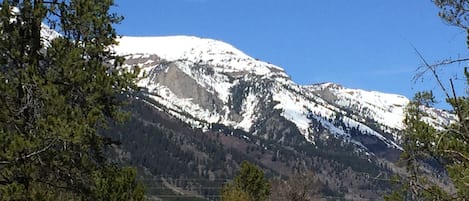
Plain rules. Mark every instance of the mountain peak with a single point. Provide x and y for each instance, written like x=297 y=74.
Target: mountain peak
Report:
x=174 y=47
x=195 y=50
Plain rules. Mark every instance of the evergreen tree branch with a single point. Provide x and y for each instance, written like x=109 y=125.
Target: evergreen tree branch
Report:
x=456 y=153
x=6 y=162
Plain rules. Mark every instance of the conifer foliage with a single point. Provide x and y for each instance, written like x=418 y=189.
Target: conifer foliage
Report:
x=249 y=185
x=448 y=146
x=56 y=94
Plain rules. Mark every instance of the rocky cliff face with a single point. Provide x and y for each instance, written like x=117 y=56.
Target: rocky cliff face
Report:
x=205 y=82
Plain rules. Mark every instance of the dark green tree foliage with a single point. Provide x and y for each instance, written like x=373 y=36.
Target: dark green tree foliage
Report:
x=418 y=143
x=55 y=96
x=455 y=12
x=450 y=145
x=249 y=185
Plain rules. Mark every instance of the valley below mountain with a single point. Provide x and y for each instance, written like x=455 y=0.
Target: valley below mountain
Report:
x=205 y=106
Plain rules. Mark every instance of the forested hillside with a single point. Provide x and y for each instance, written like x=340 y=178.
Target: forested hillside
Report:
x=178 y=161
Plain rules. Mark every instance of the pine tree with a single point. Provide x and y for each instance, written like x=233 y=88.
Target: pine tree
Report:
x=450 y=145
x=249 y=185
x=56 y=94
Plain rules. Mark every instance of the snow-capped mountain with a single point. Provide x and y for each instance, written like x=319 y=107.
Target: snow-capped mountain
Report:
x=206 y=82
x=190 y=82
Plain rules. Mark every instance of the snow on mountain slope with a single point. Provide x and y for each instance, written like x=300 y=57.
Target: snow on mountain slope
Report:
x=214 y=66
x=386 y=109
x=194 y=49
x=383 y=109
x=48 y=34
x=205 y=82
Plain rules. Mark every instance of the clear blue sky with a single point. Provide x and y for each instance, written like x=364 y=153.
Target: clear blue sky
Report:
x=360 y=44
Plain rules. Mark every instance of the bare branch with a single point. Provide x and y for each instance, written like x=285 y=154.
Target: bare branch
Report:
x=5 y=162
x=449 y=61
x=432 y=68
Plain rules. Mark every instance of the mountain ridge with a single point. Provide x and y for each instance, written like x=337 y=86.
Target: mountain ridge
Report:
x=204 y=82
x=203 y=110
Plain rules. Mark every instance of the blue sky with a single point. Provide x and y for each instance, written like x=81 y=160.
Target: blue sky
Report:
x=363 y=44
